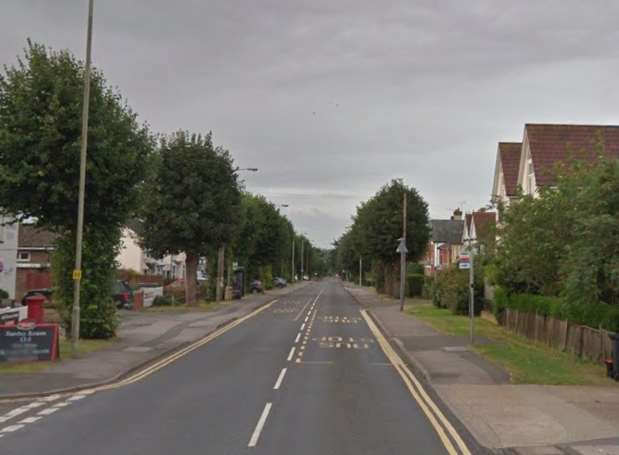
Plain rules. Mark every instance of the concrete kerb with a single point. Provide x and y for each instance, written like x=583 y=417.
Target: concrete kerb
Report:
x=127 y=373
x=423 y=375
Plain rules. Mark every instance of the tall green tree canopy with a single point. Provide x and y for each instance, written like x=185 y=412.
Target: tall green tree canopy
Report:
x=40 y=129
x=192 y=202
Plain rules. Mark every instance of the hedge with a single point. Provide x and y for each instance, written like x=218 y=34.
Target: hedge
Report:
x=592 y=315
x=450 y=289
x=414 y=285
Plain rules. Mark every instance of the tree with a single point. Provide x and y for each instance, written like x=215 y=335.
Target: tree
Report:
x=40 y=120
x=193 y=201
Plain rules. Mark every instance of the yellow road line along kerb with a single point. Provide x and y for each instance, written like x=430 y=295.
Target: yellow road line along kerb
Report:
x=433 y=413
x=178 y=354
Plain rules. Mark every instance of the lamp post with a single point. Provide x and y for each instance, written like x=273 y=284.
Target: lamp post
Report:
x=77 y=271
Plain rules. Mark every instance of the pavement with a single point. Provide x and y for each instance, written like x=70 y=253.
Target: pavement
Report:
x=306 y=375
x=142 y=337
x=504 y=417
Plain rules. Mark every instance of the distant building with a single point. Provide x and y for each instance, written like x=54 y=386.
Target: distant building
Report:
x=445 y=242
x=34 y=250
x=506 y=172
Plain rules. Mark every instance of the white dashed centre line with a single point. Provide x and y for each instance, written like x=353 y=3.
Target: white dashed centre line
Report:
x=296 y=340
x=291 y=355
x=303 y=326
x=280 y=378
x=259 y=426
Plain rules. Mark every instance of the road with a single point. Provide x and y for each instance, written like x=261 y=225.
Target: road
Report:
x=306 y=375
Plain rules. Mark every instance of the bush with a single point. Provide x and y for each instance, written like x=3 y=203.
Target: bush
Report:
x=414 y=285
x=4 y=294
x=451 y=290
x=175 y=294
x=591 y=314
x=163 y=300
x=426 y=291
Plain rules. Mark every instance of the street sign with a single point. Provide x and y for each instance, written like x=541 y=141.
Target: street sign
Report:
x=23 y=342
x=77 y=275
x=402 y=248
x=464 y=263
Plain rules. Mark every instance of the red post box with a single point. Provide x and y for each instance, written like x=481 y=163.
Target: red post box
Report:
x=35 y=307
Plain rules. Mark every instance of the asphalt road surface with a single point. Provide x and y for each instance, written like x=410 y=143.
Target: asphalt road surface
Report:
x=305 y=375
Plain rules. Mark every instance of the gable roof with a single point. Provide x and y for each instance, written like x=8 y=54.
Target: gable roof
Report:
x=448 y=231
x=30 y=236
x=509 y=154
x=550 y=144
x=484 y=222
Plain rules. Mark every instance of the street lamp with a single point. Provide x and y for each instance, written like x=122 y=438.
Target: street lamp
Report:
x=249 y=169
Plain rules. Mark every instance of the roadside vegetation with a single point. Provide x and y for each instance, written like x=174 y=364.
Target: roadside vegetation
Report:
x=527 y=362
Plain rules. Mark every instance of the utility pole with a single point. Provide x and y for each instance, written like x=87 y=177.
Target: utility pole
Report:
x=471 y=294
x=360 y=271
x=292 y=268
x=220 y=273
x=403 y=252
x=77 y=271
x=302 y=260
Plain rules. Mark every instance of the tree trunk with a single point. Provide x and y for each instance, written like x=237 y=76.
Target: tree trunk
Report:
x=191 y=270
x=220 y=274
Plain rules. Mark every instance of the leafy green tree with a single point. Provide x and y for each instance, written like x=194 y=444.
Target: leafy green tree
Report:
x=40 y=128
x=193 y=202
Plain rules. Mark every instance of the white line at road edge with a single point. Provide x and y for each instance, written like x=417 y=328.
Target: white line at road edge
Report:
x=280 y=378
x=429 y=408
x=291 y=355
x=259 y=426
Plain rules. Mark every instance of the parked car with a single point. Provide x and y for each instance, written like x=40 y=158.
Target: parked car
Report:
x=279 y=282
x=256 y=286
x=122 y=294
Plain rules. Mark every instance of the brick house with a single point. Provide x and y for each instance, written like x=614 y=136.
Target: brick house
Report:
x=506 y=169
x=34 y=248
x=445 y=242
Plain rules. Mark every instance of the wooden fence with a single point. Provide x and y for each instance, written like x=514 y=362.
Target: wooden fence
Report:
x=582 y=341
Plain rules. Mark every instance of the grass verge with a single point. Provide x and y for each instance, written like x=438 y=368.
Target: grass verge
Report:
x=84 y=348
x=202 y=306
x=527 y=361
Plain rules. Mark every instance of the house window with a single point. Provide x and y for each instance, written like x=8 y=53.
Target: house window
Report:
x=530 y=176
x=23 y=256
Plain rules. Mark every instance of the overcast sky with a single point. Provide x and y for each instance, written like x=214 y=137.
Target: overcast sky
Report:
x=332 y=99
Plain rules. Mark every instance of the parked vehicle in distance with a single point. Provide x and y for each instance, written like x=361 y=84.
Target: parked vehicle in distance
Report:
x=256 y=286
x=122 y=295
x=279 y=282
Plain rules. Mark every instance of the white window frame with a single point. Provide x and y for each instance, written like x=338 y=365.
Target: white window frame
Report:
x=28 y=256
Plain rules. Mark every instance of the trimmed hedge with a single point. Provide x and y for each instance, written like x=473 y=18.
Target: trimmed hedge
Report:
x=414 y=285
x=592 y=315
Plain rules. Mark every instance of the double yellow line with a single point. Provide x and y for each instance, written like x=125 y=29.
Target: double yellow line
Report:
x=141 y=374
x=445 y=430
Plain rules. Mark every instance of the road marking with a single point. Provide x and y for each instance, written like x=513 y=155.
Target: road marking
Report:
x=48 y=411
x=11 y=428
x=76 y=397
x=291 y=355
x=280 y=378
x=177 y=355
x=296 y=340
x=30 y=419
x=296 y=318
x=429 y=408
x=302 y=326
x=259 y=426
x=306 y=318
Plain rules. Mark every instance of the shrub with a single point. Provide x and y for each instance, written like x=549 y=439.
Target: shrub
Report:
x=414 y=285
x=426 y=291
x=451 y=290
x=162 y=300
x=4 y=294
x=175 y=294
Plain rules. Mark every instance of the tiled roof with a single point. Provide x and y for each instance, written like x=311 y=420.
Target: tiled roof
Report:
x=484 y=221
x=30 y=236
x=509 y=153
x=448 y=231
x=550 y=144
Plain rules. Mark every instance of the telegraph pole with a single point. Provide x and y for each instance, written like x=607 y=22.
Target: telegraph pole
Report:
x=77 y=271
x=360 y=271
x=302 y=274
x=403 y=251
x=472 y=295
x=292 y=269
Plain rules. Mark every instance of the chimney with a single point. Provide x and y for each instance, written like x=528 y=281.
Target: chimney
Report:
x=457 y=215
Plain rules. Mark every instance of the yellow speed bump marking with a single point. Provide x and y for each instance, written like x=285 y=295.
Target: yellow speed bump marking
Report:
x=433 y=413
x=178 y=354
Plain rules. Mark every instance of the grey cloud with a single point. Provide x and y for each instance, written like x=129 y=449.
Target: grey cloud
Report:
x=332 y=99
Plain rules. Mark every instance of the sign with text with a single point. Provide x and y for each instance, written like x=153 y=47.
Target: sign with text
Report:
x=465 y=262
x=27 y=342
